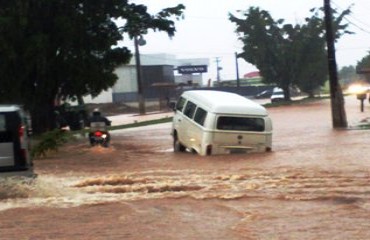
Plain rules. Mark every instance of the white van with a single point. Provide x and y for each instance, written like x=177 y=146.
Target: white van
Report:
x=14 y=141
x=214 y=122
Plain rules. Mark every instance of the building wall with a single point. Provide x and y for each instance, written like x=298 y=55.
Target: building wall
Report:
x=126 y=91
x=127 y=79
x=156 y=68
x=103 y=97
x=189 y=78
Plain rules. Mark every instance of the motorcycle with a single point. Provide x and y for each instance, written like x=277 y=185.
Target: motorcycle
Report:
x=100 y=138
x=99 y=134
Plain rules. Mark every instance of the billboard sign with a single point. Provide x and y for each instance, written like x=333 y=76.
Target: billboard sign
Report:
x=192 y=69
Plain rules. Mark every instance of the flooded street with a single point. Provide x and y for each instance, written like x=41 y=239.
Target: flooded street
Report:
x=315 y=184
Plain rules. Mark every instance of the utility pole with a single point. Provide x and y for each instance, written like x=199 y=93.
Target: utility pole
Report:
x=336 y=96
x=237 y=71
x=218 y=69
x=140 y=93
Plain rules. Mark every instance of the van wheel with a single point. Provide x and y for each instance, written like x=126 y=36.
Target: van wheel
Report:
x=177 y=146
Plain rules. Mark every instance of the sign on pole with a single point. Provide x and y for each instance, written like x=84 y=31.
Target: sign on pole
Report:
x=192 y=69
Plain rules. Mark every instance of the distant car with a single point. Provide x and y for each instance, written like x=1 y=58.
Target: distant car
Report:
x=264 y=94
x=277 y=95
x=14 y=140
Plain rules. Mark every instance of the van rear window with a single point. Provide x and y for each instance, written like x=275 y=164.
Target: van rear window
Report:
x=2 y=123
x=241 y=124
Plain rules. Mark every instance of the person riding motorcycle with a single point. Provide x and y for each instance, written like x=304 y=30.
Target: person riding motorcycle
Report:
x=97 y=117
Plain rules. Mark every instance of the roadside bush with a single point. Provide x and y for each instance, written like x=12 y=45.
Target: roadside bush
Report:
x=50 y=141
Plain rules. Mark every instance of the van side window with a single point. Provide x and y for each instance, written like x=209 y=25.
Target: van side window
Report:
x=200 y=116
x=241 y=124
x=180 y=104
x=190 y=109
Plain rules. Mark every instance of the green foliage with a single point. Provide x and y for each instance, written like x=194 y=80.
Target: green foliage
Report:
x=138 y=20
x=363 y=66
x=311 y=66
x=286 y=54
x=57 y=50
x=50 y=141
x=141 y=124
x=347 y=75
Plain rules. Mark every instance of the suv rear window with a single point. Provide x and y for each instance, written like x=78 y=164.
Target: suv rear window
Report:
x=241 y=124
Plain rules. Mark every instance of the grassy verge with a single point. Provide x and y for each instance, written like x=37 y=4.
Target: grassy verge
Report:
x=141 y=124
x=295 y=102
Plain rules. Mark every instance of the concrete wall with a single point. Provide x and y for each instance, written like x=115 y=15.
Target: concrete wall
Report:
x=127 y=79
x=150 y=75
x=104 y=97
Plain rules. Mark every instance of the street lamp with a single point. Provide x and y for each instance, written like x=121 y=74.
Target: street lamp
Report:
x=139 y=41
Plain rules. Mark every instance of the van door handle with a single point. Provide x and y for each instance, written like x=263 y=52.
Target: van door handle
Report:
x=179 y=120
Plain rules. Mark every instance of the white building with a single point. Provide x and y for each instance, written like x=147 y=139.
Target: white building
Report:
x=156 y=68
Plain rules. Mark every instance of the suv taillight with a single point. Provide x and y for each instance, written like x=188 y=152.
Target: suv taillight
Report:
x=23 y=152
x=98 y=133
x=21 y=131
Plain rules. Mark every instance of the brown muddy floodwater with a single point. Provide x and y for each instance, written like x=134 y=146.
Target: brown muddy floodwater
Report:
x=313 y=185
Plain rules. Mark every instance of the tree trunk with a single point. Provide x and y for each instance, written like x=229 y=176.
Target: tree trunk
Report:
x=287 y=94
x=338 y=110
x=311 y=94
x=43 y=117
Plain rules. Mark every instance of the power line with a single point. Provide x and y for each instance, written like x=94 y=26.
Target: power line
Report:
x=353 y=16
x=357 y=26
x=356 y=19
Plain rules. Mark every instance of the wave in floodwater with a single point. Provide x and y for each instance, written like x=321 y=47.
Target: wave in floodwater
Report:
x=345 y=188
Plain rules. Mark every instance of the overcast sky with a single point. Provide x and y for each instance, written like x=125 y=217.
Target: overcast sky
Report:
x=206 y=31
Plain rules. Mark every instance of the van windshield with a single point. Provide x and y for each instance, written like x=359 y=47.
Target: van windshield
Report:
x=241 y=124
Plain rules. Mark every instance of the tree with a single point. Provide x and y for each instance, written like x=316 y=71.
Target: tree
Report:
x=312 y=68
x=264 y=45
x=57 y=50
x=286 y=54
x=347 y=75
x=363 y=67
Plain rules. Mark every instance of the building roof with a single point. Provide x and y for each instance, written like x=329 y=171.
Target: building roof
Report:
x=252 y=74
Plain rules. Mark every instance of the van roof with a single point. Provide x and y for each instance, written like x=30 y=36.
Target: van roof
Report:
x=9 y=108
x=225 y=102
